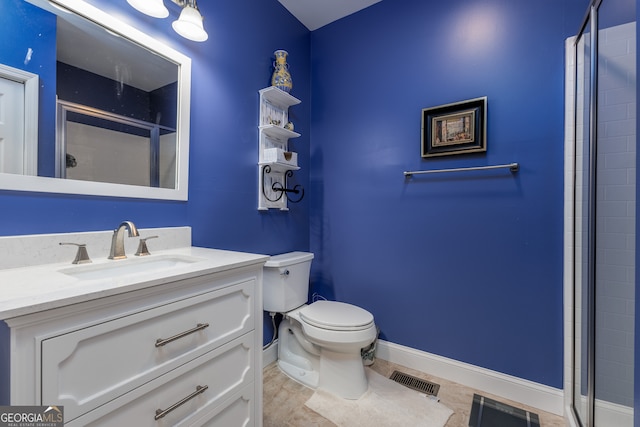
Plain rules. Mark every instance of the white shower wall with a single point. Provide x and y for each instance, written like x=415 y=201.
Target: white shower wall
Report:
x=616 y=225
x=615 y=238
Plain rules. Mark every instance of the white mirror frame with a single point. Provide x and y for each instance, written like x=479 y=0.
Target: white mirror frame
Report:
x=57 y=185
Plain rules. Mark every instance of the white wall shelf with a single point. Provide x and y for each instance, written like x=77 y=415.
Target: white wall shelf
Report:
x=280 y=167
x=277 y=132
x=276 y=163
x=278 y=97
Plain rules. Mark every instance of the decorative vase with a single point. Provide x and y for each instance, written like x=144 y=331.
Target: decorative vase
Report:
x=281 y=77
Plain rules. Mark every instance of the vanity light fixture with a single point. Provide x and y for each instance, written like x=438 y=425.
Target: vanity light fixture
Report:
x=188 y=25
x=155 y=8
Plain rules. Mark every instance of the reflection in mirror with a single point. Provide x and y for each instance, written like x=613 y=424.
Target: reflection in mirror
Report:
x=112 y=108
x=95 y=145
x=19 y=123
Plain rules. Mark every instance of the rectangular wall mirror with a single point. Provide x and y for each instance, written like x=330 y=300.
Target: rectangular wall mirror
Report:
x=106 y=107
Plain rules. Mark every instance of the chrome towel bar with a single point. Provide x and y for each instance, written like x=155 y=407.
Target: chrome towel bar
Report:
x=513 y=167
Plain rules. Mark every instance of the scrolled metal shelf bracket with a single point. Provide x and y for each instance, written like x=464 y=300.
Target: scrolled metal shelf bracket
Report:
x=282 y=189
x=265 y=170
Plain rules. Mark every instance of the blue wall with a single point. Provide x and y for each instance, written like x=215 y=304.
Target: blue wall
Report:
x=464 y=266
x=467 y=266
x=228 y=71
x=83 y=87
x=27 y=27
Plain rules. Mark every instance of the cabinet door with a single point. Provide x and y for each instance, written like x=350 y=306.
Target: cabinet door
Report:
x=89 y=367
x=225 y=374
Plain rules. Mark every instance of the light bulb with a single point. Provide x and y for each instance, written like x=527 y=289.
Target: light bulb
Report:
x=155 y=8
x=189 y=25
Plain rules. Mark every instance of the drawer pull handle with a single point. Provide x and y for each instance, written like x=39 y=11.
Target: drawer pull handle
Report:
x=162 y=341
x=199 y=390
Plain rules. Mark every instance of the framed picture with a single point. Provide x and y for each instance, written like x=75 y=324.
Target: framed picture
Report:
x=456 y=128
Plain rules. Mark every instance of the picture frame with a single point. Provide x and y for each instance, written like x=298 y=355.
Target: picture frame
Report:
x=456 y=128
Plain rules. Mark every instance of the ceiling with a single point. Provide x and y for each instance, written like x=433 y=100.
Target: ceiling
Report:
x=84 y=45
x=318 y=13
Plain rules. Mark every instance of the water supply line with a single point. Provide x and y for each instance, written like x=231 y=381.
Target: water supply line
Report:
x=275 y=330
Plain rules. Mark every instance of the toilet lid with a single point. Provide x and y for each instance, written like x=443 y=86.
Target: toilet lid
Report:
x=337 y=316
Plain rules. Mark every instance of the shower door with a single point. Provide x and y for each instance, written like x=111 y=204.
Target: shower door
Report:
x=583 y=207
x=604 y=215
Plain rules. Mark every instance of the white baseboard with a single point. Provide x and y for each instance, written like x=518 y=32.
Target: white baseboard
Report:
x=612 y=414
x=530 y=393
x=527 y=392
x=270 y=354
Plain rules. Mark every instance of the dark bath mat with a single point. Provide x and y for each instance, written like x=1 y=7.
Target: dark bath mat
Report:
x=487 y=412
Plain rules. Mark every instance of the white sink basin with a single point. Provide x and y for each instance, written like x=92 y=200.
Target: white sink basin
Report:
x=129 y=266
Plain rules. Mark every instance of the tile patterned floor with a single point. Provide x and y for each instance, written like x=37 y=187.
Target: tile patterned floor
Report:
x=284 y=400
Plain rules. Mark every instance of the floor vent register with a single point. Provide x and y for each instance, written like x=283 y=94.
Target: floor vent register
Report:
x=415 y=383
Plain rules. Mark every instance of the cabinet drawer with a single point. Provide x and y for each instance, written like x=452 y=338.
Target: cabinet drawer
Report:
x=238 y=410
x=226 y=372
x=89 y=367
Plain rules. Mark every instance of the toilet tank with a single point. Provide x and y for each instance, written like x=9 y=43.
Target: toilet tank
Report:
x=286 y=281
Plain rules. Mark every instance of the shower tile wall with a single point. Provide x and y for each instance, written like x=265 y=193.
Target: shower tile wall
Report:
x=616 y=215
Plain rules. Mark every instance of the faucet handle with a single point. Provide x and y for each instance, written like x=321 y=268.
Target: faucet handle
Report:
x=142 y=246
x=82 y=256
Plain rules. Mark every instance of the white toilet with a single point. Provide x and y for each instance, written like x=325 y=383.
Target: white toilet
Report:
x=319 y=344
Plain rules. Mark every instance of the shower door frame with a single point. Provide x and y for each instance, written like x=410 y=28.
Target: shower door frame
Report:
x=590 y=24
x=574 y=347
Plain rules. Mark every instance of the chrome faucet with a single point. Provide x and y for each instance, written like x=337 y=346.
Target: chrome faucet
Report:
x=117 y=242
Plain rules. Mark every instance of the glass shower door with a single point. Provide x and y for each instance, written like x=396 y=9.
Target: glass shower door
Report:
x=583 y=206
x=604 y=215
x=615 y=228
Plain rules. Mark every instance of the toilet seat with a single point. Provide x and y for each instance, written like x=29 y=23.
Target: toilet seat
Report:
x=336 y=316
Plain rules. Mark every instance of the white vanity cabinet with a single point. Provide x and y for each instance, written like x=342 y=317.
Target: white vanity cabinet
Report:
x=186 y=352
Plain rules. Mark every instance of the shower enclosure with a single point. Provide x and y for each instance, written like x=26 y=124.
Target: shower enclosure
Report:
x=600 y=159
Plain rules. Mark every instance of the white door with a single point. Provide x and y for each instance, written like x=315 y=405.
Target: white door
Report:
x=11 y=126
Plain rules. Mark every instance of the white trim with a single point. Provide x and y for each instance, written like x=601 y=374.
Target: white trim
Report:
x=612 y=414
x=31 y=85
x=270 y=355
x=67 y=186
x=606 y=414
x=548 y=399
x=569 y=417
x=527 y=392
x=569 y=183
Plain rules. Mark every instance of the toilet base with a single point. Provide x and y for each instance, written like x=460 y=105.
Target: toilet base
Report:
x=293 y=360
x=342 y=374
x=301 y=375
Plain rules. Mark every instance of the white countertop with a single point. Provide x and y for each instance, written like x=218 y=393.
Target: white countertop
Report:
x=27 y=290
